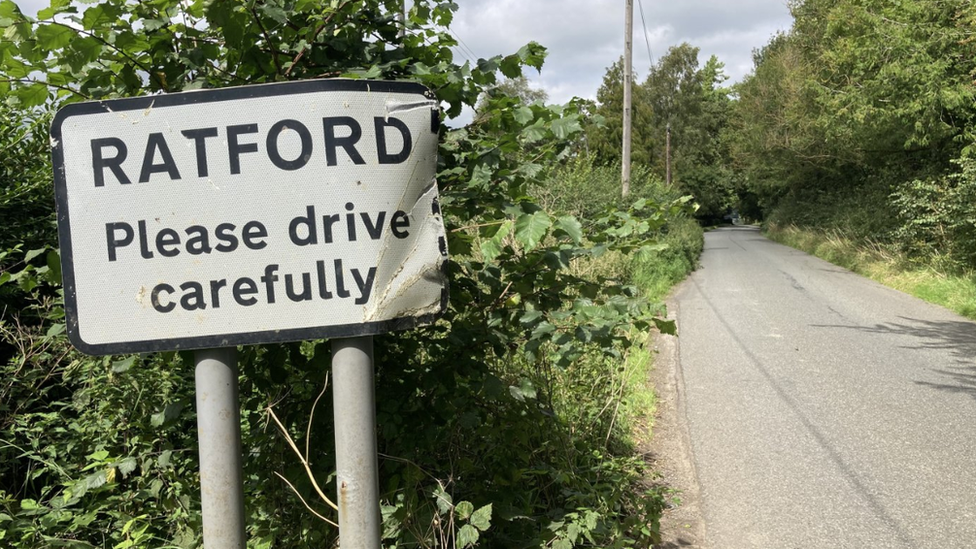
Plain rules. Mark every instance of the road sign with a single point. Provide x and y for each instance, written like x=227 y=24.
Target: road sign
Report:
x=257 y=214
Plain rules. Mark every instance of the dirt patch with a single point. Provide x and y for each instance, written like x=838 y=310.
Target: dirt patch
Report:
x=669 y=448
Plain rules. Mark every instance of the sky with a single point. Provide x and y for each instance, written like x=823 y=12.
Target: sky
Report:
x=584 y=37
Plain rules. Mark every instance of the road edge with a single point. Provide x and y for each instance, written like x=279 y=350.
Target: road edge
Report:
x=670 y=450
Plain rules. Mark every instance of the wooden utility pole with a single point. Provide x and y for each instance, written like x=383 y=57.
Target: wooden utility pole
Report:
x=628 y=77
x=667 y=156
x=403 y=20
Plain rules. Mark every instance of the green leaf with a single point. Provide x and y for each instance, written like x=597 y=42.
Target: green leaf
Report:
x=524 y=390
x=169 y=413
x=467 y=536
x=444 y=501
x=530 y=229
x=55 y=330
x=530 y=317
x=33 y=253
x=32 y=96
x=127 y=465
x=17 y=32
x=535 y=132
x=573 y=532
x=95 y=480
x=99 y=15
x=511 y=66
x=124 y=365
x=54 y=264
x=524 y=115
x=279 y=15
x=533 y=55
x=53 y=37
x=667 y=327
x=492 y=247
x=9 y=10
x=562 y=543
x=529 y=169
x=481 y=519
x=12 y=67
x=571 y=227
x=82 y=51
x=543 y=328
x=564 y=127
x=374 y=72
x=464 y=509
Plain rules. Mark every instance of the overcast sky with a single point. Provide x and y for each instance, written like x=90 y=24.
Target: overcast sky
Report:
x=585 y=36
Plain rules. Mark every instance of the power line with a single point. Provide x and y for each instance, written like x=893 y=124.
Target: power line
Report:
x=647 y=41
x=463 y=47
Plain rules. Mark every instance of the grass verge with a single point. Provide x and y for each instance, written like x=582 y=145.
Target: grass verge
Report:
x=956 y=292
x=655 y=273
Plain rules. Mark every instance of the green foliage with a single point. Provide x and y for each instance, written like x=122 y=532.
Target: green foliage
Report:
x=691 y=101
x=858 y=95
x=853 y=122
x=658 y=271
x=583 y=190
x=938 y=218
x=25 y=191
x=506 y=405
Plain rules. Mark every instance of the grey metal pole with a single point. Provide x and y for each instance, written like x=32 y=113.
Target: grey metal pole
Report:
x=357 y=470
x=628 y=78
x=219 y=436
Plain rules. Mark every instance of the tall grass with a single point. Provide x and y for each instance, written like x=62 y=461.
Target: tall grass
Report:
x=585 y=190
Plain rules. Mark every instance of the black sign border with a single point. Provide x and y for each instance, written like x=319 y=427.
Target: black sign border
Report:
x=232 y=339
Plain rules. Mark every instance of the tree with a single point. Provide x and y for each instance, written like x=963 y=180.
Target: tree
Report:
x=692 y=101
x=605 y=137
x=859 y=95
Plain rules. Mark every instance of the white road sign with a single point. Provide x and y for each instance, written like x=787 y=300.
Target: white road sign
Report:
x=257 y=214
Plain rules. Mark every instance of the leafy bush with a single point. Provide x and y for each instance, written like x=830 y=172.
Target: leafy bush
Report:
x=938 y=218
x=584 y=189
x=862 y=212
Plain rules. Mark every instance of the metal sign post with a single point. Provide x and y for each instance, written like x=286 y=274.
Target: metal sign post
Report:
x=219 y=437
x=357 y=471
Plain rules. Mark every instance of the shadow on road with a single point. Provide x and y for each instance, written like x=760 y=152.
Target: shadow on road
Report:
x=956 y=337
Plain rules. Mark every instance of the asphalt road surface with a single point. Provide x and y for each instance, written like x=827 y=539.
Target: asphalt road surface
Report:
x=823 y=409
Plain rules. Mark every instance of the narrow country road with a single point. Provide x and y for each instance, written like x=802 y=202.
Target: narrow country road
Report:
x=823 y=410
